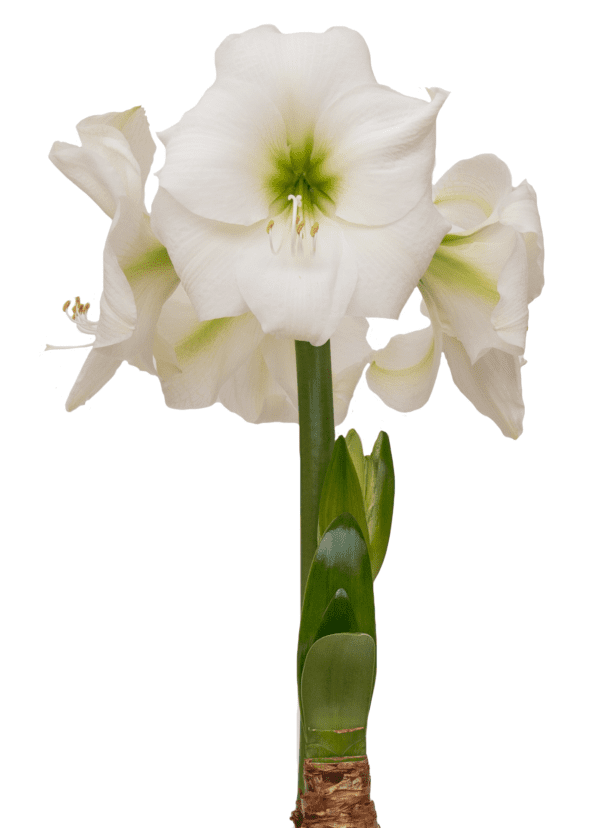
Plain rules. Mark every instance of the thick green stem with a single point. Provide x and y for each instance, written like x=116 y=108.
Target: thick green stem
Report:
x=317 y=436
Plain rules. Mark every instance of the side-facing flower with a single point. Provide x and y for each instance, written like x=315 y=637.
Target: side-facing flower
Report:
x=298 y=188
x=476 y=293
x=253 y=374
x=111 y=166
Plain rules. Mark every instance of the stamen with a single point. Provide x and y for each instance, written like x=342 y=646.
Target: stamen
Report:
x=297 y=202
x=270 y=226
x=300 y=227
x=313 y=232
x=79 y=316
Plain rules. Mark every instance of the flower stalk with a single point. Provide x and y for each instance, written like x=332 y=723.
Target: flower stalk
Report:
x=317 y=437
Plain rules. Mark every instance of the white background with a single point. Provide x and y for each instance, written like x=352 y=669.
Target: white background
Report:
x=149 y=583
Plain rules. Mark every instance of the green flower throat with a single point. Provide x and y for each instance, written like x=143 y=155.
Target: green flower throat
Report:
x=302 y=170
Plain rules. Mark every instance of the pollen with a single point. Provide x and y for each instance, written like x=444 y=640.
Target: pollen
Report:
x=78 y=315
x=300 y=227
x=314 y=229
x=270 y=226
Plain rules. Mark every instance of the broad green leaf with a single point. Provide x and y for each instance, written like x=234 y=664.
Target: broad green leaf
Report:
x=336 y=691
x=379 y=489
x=341 y=567
x=341 y=491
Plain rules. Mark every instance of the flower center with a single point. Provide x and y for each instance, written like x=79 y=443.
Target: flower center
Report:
x=302 y=170
x=298 y=230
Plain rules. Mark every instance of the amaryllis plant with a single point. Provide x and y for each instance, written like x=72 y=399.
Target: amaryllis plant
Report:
x=296 y=201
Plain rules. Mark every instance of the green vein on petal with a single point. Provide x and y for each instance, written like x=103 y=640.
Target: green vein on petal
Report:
x=456 y=274
x=153 y=260
x=203 y=336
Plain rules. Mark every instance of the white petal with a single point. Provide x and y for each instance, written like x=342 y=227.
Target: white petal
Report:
x=469 y=193
x=493 y=384
x=151 y=279
x=350 y=352
x=391 y=259
x=382 y=149
x=207 y=353
x=301 y=296
x=404 y=372
x=220 y=155
x=90 y=172
x=253 y=393
x=300 y=72
x=519 y=210
x=464 y=281
x=100 y=366
x=123 y=139
x=205 y=254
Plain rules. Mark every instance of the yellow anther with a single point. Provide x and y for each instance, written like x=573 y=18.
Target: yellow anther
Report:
x=66 y=305
x=314 y=229
x=77 y=300
x=300 y=227
x=86 y=307
x=270 y=226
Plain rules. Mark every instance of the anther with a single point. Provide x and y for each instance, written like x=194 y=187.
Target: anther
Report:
x=314 y=229
x=66 y=305
x=300 y=227
x=270 y=226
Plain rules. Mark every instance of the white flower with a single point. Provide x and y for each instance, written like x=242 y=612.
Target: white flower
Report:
x=251 y=373
x=298 y=188
x=112 y=166
x=476 y=292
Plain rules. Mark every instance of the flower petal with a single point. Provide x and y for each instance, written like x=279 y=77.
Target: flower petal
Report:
x=253 y=393
x=493 y=384
x=468 y=194
x=479 y=289
x=100 y=366
x=519 y=210
x=382 y=148
x=350 y=352
x=404 y=372
x=300 y=72
x=391 y=259
x=239 y=130
x=300 y=295
x=207 y=353
x=205 y=254
x=114 y=158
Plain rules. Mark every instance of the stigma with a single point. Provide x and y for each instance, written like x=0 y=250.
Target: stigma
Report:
x=78 y=314
x=298 y=230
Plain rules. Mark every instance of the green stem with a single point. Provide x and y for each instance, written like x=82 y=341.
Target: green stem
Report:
x=317 y=436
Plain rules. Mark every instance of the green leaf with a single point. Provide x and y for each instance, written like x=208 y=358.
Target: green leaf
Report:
x=357 y=454
x=338 y=617
x=379 y=487
x=341 y=491
x=336 y=691
x=340 y=574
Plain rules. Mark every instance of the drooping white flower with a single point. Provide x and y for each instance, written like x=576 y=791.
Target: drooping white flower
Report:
x=298 y=188
x=251 y=373
x=476 y=292
x=111 y=166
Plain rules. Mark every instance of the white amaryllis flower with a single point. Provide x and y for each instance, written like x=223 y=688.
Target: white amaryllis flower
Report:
x=111 y=166
x=251 y=373
x=298 y=188
x=476 y=292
